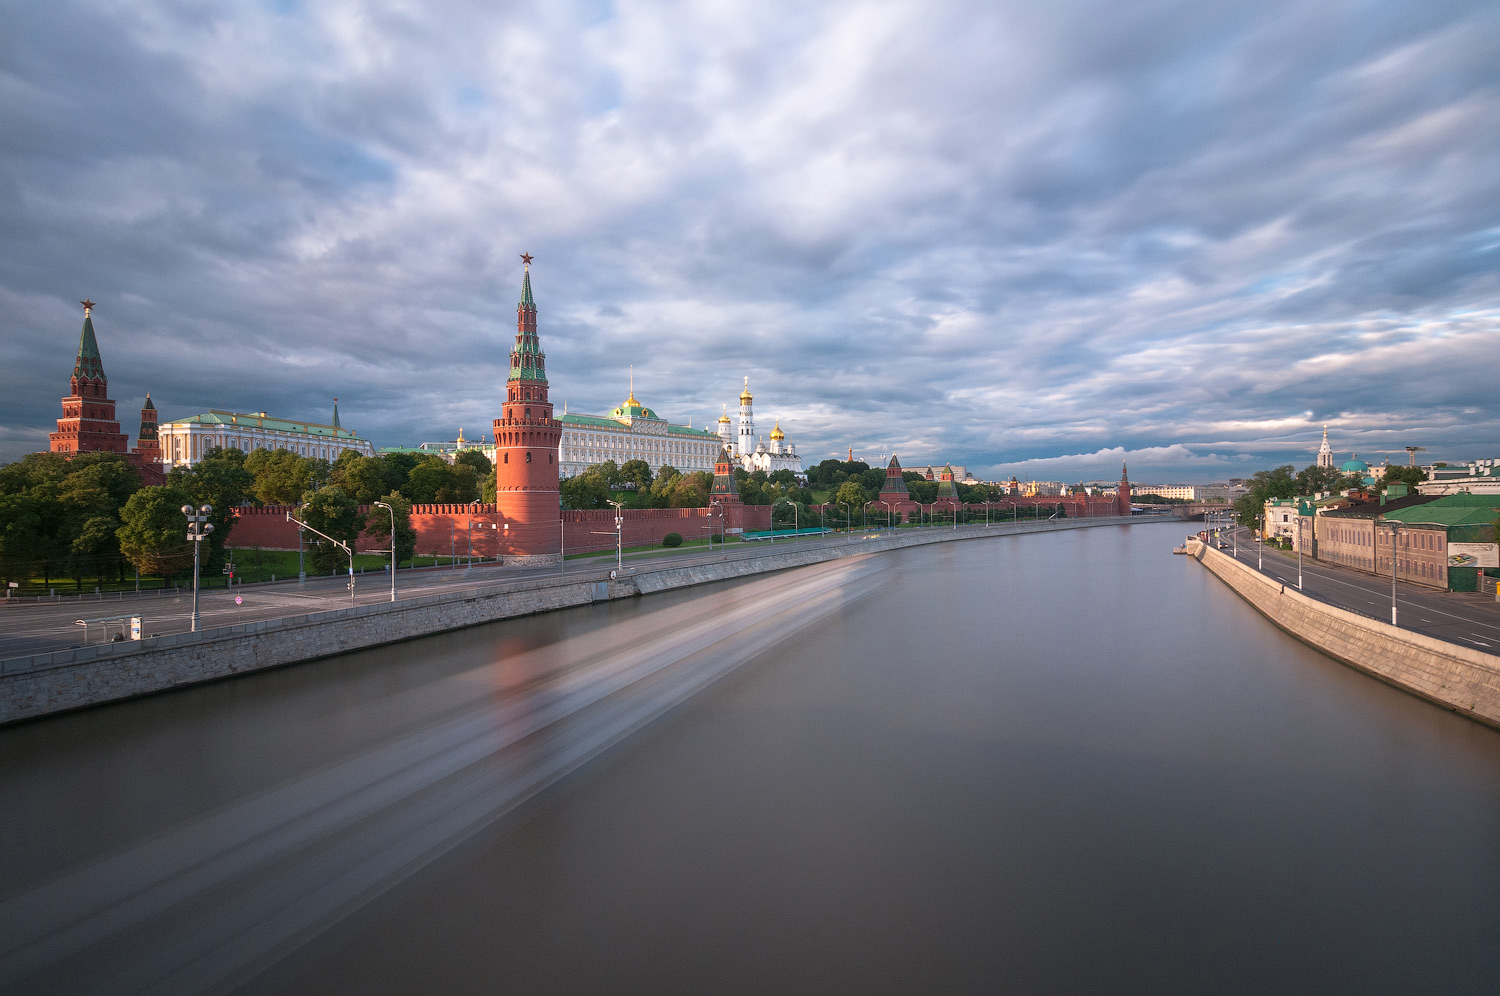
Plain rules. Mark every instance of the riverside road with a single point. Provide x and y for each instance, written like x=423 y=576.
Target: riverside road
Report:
x=39 y=627
x=1465 y=618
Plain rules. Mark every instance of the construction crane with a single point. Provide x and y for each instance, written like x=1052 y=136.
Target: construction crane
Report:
x=1411 y=454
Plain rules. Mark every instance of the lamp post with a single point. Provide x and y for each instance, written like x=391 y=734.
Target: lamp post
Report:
x=619 y=535
x=338 y=543
x=1395 y=559
x=388 y=508
x=198 y=529
x=1300 y=541
x=301 y=570
x=1260 y=547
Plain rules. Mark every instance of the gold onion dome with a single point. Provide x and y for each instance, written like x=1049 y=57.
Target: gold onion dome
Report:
x=724 y=419
x=745 y=397
x=776 y=433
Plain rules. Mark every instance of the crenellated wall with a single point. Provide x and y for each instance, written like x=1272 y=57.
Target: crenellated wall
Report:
x=446 y=529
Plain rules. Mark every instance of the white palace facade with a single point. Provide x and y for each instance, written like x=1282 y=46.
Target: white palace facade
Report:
x=633 y=432
x=185 y=441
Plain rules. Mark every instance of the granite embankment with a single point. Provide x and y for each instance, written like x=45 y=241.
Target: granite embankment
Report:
x=84 y=676
x=1459 y=678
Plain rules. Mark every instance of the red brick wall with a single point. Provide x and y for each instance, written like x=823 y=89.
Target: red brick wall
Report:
x=442 y=529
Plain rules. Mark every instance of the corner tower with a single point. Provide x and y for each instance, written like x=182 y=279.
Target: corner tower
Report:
x=1122 y=495
x=526 y=447
x=88 y=422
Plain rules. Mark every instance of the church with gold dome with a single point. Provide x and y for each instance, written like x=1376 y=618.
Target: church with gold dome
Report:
x=753 y=454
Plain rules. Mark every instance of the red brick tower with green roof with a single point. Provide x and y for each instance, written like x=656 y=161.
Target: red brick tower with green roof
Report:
x=527 y=437
x=88 y=422
x=947 y=491
x=726 y=489
x=1122 y=495
x=147 y=443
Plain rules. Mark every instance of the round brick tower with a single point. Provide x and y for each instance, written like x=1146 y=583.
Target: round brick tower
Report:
x=526 y=449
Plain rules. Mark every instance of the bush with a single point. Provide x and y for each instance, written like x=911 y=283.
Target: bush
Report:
x=672 y=539
x=715 y=538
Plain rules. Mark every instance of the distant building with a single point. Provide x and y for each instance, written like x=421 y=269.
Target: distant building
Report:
x=185 y=441
x=1188 y=492
x=933 y=471
x=1325 y=452
x=1478 y=477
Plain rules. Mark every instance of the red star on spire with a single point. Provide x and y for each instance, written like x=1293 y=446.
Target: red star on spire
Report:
x=87 y=305
x=526 y=258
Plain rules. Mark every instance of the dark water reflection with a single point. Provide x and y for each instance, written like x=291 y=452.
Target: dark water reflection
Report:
x=1057 y=763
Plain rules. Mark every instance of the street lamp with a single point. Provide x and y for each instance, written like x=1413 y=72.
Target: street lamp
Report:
x=619 y=535
x=198 y=529
x=1395 y=559
x=338 y=543
x=381 y=504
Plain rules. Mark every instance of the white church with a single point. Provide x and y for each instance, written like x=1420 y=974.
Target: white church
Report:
x=755 y=455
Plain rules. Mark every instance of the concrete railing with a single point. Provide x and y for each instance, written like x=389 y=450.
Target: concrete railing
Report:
x=1459 y=678
x=68 y=679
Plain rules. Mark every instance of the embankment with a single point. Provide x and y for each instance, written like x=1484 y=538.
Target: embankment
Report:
x=85 y=676
x=1459 y=678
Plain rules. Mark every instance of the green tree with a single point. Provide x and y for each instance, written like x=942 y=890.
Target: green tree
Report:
x=475 y=458
x=22 y=544
x=397 y=467
x=282 y=477
x=435 y=481
x=852 y=497
x=1410 y=476
x=637 y=472
x=331 y=510
x=584 y=491
x=362 y=477
x=691 y=490
x=220 y=479
x=378 y=525
x=153 y=532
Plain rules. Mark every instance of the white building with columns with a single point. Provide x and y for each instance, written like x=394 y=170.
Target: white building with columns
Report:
x=185 y=441
x=777 y=454
x=633 y=432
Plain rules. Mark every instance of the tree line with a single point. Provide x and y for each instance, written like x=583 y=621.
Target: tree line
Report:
x=90 y=516
x=1287 y=482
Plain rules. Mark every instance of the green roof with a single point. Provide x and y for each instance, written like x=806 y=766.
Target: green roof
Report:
x=257 y=421
x=1451 y=510
x=603 y=422
x=526 y=289
x=89 y=364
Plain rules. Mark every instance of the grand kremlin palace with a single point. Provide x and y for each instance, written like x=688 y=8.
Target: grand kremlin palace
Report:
x=633 y=432
x=184 y=441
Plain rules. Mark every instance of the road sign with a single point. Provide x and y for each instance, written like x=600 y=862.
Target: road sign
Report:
x=239 y=600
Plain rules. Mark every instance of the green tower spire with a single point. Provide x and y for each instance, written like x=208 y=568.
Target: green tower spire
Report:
x=89 y=365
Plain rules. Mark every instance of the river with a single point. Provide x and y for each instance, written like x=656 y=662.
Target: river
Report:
x=1064 y=762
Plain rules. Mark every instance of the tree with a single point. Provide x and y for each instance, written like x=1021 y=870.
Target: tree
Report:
x=1410 y=476
x=477 y=460
x=691 y=490
x=153 y=532
x=584 y=491
x=850 y=495
x=1264 y=485
x=637 y=472
x=282 y=477
x=22 y=544
x=362 y=477
x=221 y=480
x=331 y=510
x=434 y=480
x=378 y=525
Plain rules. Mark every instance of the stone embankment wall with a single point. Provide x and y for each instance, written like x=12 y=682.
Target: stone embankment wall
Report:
x=84 y=676
x=1455 y=677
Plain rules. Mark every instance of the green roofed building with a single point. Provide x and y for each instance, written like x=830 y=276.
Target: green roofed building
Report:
x=634 y=432
x=184 y=441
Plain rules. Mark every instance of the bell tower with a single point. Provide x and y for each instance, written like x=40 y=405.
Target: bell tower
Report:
x=527 y=498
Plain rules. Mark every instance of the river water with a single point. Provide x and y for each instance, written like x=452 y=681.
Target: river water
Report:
x=1066 y=762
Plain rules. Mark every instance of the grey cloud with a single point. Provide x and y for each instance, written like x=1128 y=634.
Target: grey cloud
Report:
x=999 y=234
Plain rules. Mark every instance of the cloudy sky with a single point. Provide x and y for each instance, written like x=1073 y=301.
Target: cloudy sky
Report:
x=1033 y=238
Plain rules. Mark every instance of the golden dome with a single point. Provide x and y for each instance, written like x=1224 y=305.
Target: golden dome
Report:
x=745 y=397
x=776 y=433
x=724 y=419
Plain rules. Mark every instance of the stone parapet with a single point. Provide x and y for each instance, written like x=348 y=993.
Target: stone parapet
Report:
x=70 y=679
x=1459 y=678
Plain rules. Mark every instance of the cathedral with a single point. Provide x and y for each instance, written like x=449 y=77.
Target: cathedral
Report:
x=781 y=454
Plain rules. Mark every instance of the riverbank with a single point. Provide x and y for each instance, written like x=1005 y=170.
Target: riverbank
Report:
x=49 y=683
x=1458 y=678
